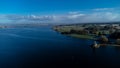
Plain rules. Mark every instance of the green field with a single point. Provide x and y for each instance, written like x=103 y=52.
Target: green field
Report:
x=68 y=28
x=82 y=36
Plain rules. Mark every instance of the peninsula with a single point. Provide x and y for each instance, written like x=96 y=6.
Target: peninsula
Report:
x=104 y=33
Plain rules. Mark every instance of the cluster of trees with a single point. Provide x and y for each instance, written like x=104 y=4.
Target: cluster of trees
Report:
x=92 y=30
x=96 y=30
x=100 y=31
x=73 y=31
x=115 y=36
x=82 y=32
x=103 y=39
x=118 y=41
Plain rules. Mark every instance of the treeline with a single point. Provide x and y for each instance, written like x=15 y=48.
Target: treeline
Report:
x=115 y=37
x=72 y=31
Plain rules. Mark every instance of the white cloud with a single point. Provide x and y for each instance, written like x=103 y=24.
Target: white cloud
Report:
x=103 y=9
x=75 y=16
x=74 y=12
x=93 y=15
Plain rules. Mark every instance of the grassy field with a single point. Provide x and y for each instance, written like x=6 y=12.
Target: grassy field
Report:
x=82 y=36
x=68 y=28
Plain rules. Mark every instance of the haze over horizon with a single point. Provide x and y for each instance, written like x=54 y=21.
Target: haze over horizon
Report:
x=59 y=11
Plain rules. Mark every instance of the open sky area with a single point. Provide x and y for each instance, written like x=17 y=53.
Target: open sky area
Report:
x=59 y=11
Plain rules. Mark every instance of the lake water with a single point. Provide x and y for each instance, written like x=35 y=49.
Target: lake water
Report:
x=44 y=48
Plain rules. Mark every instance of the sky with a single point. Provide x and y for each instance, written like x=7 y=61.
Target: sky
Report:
x=59 y=11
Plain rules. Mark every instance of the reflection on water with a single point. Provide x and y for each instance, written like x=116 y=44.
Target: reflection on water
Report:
x=106 y=56
x=94 y=51
x=117 y=48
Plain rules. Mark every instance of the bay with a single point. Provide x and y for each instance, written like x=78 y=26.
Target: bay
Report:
x=43 y=47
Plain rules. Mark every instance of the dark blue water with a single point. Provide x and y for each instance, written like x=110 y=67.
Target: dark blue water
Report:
x=44 y=48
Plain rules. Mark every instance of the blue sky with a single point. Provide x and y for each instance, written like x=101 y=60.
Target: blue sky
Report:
x=33 y=10
x=49 y=6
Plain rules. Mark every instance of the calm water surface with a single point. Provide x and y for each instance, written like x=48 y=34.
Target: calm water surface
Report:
x=43 y=48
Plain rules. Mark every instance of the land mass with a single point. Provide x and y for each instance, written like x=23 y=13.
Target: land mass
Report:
x=104 y=33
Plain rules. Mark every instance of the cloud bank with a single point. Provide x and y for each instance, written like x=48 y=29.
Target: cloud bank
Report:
x=88 y=16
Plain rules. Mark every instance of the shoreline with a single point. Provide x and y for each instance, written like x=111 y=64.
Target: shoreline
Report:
x=65 y=31
x=108 y=45
x=82 y=36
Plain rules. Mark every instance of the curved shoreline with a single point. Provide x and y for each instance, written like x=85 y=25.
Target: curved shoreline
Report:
x=109 y=45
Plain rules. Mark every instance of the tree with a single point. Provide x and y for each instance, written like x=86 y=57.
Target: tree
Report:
x=82 y=32
x=103 y=39
x=118 y=41
x=100 y=33
x=115 y=35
